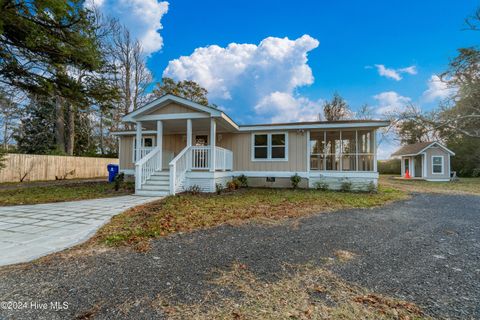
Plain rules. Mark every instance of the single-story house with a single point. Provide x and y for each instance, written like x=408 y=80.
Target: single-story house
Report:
x=425 y=160
x=178 y=143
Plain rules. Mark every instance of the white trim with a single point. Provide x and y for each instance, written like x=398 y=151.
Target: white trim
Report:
x=424 y=165
x=308 y=150
x=230 y=121
x=344 y=174
x=311 y=174
x=437 y=180
x=294 y=126
x=132 y=133
x=269 y=147
x=132 y=117
x=172 y=116
x=276 y=174
x=443 y=164
x=212 y=143
x=374 y=150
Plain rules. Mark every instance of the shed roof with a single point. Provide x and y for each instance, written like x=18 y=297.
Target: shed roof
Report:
x=417 y=148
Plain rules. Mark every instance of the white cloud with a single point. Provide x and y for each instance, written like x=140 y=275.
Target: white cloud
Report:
x=437 y=90
x=410 y=70
x=395 y=74
x=252 y=77
x=141 y=17
x=390 y=102
x=283 y=107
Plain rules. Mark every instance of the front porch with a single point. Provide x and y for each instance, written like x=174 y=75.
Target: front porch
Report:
x=169 y=150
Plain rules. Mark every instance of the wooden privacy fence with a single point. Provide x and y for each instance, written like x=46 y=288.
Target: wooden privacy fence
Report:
x=29 y=167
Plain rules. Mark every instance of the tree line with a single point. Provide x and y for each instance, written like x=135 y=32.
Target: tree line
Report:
x=68 y=75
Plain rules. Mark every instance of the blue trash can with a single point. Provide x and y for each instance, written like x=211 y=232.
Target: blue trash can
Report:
x=112 y=172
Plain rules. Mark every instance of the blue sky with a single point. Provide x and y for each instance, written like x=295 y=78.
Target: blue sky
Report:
x=334 y=46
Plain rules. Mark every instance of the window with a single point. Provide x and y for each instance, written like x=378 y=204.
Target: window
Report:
x=342 y=150
x=270 y=146
x=148 y=142
x=317 y=150
x=437 y=164
x=261 y=146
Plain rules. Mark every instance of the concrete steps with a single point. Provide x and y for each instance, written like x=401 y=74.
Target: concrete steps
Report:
x=157 y=185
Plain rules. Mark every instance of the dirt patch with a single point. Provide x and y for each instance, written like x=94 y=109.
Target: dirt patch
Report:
x=301 y=292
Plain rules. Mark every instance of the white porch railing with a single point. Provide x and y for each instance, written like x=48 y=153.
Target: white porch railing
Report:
x=178 y=167
x=143 y=152
x=223 y=159
x=146 y=166
x=201 y=158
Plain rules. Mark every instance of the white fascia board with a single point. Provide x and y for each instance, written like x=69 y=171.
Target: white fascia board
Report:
x=229 y=121
x=172 y=116
x=132 y=133
x=441 y=146
x=315 y=126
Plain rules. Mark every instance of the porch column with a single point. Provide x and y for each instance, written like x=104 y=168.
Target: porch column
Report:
x=160 y=142
x=138 y=139
x=213 y=134
x=189 y=132
x=375 y=151
x=189 y=144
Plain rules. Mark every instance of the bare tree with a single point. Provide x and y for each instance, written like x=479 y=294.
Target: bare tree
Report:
x=336 y=109
x=133 y=76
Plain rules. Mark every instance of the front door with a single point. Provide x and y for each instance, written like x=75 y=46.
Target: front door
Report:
x=201 y=140
x=407 y=166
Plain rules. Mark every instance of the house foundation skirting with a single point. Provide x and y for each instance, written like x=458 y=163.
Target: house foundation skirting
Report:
x=207 y=180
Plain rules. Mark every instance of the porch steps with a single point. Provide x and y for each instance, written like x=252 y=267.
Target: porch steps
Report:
x=157 y=185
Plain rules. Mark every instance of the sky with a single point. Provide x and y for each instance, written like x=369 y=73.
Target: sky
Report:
x=278 y=61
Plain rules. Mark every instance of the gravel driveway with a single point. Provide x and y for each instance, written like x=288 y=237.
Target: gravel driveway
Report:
x=425 y=250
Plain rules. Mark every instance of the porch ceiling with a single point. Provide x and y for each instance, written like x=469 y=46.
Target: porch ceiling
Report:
x=180 y=125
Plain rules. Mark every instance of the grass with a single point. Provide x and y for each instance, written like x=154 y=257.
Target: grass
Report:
x=58 y=193
x=463 y=186
x=306 y=292
x=186 y=212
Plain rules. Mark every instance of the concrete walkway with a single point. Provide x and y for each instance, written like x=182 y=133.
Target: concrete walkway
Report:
x=31 y=231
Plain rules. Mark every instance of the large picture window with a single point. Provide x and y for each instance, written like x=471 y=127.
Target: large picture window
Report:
x=342 y=150
x=270 y=146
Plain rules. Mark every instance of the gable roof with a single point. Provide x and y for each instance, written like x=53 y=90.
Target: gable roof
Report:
x=163 y=101
x=417 y=148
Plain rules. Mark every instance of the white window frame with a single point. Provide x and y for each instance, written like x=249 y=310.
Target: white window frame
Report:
x=443 y=165
x=269 y=146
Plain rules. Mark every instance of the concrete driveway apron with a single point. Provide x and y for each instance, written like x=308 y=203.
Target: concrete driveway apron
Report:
x=31 y=231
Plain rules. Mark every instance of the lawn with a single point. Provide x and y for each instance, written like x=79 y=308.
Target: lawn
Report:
x=186 y=212
x=464 y=185
x=59 y=192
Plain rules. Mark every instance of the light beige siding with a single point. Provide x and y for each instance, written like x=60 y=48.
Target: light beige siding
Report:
x=125 y=152
x=241 y=146
x=435 y=151
x=173 y=108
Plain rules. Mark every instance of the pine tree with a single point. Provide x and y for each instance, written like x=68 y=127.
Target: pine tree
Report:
x=36 y=133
